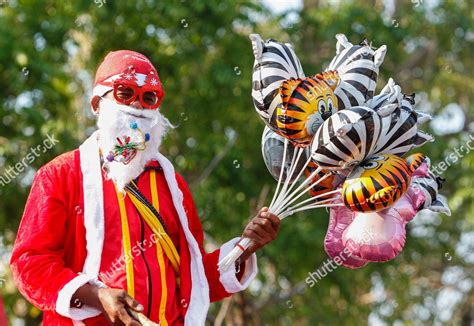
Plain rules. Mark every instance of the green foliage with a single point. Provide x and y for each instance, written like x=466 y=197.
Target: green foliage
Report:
x=49 y=52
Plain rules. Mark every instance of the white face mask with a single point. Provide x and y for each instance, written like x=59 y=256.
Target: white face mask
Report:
x=128 y=124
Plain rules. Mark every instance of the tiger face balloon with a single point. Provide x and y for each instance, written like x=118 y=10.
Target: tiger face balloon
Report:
x=305 y=105
x=379 y=181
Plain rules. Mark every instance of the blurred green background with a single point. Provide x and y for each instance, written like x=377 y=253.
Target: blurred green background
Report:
x=48 y=54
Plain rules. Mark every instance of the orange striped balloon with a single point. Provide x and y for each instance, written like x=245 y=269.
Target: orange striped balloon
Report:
x=379 y=181
x=305 y=104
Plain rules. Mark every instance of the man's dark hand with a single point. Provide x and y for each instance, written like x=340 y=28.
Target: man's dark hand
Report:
x=114 y=304
x=262 y=229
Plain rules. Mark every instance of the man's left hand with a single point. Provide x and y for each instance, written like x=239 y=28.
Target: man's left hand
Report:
x=262 y=229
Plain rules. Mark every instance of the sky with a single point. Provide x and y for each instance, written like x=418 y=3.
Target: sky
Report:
x=280 y=6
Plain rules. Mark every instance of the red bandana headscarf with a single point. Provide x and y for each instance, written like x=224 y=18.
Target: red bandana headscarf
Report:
x=130 y=67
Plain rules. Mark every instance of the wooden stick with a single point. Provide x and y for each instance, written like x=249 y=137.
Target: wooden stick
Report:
x=141 y=318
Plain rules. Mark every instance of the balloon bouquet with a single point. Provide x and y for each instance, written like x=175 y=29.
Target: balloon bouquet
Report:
x=329 y=136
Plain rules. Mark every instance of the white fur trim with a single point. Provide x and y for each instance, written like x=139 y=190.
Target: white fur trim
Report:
x=97 y=283
x=228 y=278
x=93 y=205
x=63 y=303
x=100 y=90
x=199 y=301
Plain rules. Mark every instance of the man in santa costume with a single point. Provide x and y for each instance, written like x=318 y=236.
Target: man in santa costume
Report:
x=110 y=233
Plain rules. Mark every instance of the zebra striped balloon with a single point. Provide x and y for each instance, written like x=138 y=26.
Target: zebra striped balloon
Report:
x=430 y=186
x=346 y=138
x=390 y=94
x=399 y=132
x=358 y=68
x=274 y=63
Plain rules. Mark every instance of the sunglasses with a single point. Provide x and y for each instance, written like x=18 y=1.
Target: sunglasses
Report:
x=126 y=93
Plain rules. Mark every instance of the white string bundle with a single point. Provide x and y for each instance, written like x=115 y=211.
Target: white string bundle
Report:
x=286 y=196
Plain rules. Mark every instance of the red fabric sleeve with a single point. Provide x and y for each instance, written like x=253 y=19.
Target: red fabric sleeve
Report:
x=210 y=260
x=37 y=260
x=3 y=316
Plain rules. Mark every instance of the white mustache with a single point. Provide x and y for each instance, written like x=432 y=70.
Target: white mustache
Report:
x=137 y=113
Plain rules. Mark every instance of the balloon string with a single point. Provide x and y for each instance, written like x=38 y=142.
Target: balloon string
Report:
x=281 y=174
x=245 y=243
x=312 y=205
x=297 y=178
x=229 y=260
x=291 y=169
x=302 y=192
x=283 y=189
x=305 y=182
x=294 y=163
x=312 y=199
x=301 y=171
x=289 y=213
x=287 y=198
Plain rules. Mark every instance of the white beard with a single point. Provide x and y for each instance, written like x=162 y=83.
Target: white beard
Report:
x=114 y=121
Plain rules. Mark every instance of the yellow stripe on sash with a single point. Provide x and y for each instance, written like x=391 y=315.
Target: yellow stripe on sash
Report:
x=158 y=230
x=154 y=191
x=159 y=251
x=127 y=249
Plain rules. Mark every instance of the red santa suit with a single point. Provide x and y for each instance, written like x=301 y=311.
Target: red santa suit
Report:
x=3 y=317
x=71 y=234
